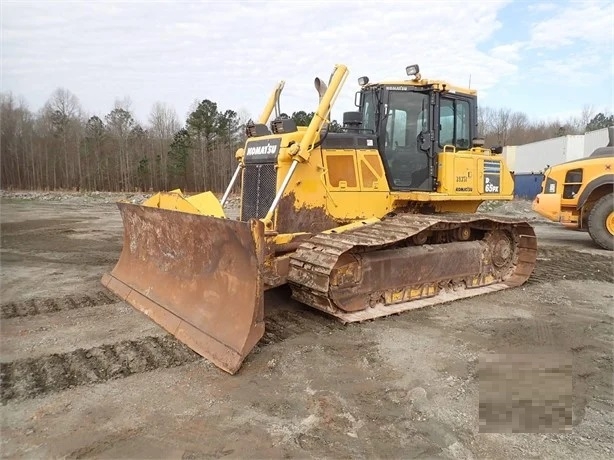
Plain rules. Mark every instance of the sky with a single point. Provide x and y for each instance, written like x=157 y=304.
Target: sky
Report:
x=547 y=59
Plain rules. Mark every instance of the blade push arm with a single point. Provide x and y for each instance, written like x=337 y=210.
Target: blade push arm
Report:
x=300 y=152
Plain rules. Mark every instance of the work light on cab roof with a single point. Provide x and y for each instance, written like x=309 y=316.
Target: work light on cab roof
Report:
x=362 y=81
x=412 y=71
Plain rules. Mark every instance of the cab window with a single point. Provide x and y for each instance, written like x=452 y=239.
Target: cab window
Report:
x=396 y=127
x=454 y=123
x=369 y=112
x=408 y=165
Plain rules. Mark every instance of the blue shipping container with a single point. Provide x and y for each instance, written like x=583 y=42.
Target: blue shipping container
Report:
x=527 y=185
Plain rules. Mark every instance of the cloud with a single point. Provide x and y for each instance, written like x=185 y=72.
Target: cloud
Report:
x=586 y=22
x=510 y=52
x=542 y=7
x=234 y=52
x=575 y=44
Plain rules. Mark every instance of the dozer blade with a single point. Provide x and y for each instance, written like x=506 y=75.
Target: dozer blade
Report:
x=196 y=276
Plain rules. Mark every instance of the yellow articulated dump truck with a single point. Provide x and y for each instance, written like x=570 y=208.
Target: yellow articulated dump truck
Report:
x=580 y=194
x=371 y=221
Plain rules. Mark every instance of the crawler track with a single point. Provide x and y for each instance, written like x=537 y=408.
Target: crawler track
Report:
x=409 y=261
x=50 y=305
x=28 y=378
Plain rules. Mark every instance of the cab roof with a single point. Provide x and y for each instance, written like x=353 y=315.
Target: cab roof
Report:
x=438 y=85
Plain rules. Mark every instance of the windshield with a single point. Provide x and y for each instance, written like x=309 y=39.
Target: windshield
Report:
x=406 y=117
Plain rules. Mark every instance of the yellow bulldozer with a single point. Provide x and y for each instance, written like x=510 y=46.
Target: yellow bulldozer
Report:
x=371 y=221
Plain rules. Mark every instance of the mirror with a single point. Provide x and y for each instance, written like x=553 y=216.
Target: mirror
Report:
x=357 y=98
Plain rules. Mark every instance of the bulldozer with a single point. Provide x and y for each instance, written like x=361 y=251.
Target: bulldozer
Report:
x=375 y=219
x=579 y=194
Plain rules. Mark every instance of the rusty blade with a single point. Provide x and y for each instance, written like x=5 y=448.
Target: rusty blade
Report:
x=196 y=276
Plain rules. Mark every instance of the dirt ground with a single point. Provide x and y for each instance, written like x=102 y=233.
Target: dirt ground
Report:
x=86 y=376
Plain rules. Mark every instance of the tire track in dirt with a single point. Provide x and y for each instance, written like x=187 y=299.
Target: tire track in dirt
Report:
x=543 y=332
x=38 y=306
x=29 y=378
x=557 y=264
x=285 y=324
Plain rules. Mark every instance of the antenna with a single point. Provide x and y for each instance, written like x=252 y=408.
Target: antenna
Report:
x=469 y=81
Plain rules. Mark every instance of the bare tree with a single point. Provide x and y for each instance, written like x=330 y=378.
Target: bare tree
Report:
x=501 y=125
x=587 y=114
x=99 y=173
x=164 y=123
x=124 y=103
x=119 y=123
x=64 y=112
x=518 y=123
x=485 y=120
x=11 y=132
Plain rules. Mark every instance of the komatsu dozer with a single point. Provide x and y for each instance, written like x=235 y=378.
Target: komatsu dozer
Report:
x=374 y=220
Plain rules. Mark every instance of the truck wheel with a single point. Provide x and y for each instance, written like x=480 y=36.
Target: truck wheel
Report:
x=601 y=222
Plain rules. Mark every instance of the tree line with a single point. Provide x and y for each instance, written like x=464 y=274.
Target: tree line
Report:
x=502 y=126
x=60 y=147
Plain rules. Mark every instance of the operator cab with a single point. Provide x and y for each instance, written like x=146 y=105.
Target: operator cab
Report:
x=413 y=120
